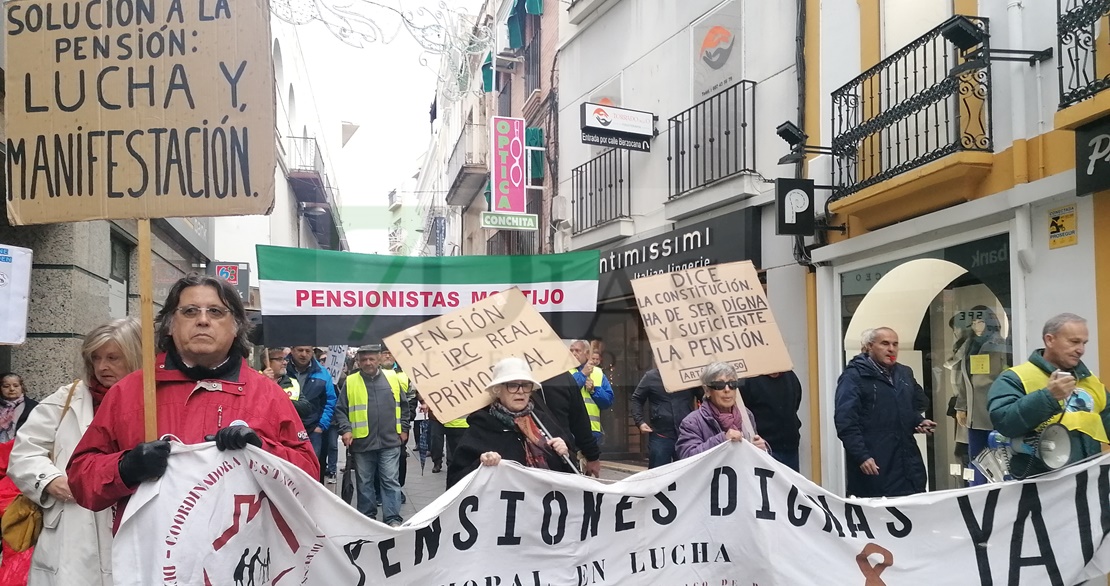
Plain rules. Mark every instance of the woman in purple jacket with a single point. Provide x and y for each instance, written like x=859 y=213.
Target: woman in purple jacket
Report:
x=719 y=418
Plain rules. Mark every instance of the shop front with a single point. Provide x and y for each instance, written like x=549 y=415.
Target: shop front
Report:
x=625 y=351
x=967 y=300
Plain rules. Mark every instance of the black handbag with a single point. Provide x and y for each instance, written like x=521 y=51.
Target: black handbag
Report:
x=347 y=485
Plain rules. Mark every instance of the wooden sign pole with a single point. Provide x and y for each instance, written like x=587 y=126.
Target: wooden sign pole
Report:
x=146 y=311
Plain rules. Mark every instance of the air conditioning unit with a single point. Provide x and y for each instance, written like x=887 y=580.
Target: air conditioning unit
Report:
x=560 y=209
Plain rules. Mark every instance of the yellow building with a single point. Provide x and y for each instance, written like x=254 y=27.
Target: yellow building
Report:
x=951 y=129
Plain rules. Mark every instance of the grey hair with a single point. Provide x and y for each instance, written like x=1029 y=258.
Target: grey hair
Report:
x=1057 y=322
x=126 y=332
x=869 y=335
x=717 y=369
x=582 y=342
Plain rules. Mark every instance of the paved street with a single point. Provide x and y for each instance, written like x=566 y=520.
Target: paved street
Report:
x=421 y=489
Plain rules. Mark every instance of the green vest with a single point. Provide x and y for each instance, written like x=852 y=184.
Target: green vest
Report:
x=358 y=399
x=591 y=407
x=459 y=423
x=1085 y=422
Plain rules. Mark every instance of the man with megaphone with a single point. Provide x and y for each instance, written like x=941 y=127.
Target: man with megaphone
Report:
x=1052 y=387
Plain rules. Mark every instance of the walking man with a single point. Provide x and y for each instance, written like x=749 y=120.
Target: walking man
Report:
x=667 y=412
x=373 y=419
x=593 y=384
x=318 y=391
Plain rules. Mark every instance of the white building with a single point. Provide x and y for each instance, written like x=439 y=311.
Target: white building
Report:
x=719 y=77
x=306 y=192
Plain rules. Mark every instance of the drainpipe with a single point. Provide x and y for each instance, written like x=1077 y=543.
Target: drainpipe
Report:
x=1015 y=19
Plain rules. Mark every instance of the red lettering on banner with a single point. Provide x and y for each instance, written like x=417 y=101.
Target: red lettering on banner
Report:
x=302 y=296
x=317 y=298
x=253 y=505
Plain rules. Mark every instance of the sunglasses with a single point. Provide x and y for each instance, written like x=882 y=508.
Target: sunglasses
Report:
x=720 y=385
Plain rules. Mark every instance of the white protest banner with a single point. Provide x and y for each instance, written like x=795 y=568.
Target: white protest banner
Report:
x=730 y=516
x=138 y=109
x=15 y=291
x=336 y=358
x=709 y=314
x=449 y=358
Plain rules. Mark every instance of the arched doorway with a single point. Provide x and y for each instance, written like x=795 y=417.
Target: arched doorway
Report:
x=931 y=301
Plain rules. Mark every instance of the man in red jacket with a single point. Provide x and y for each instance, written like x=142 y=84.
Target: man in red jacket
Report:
x=206 y=390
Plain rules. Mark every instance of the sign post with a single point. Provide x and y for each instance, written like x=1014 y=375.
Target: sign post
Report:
x=167 y=135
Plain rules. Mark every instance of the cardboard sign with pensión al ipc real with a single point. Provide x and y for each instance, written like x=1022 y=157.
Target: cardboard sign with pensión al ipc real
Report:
x=703 y=315
x=449 y=358
x=139 y=109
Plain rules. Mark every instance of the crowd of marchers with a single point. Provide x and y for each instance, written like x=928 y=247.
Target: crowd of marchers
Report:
x=82 y=452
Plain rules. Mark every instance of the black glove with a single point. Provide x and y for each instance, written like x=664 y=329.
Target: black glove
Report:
x=236 y=437
x=144 y=462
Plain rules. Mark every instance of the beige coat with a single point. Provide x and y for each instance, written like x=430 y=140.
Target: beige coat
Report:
x=75 y=548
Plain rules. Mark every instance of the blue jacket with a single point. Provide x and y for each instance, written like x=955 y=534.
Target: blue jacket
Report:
x=317 y=390
x=875 y=417
x=602 y=395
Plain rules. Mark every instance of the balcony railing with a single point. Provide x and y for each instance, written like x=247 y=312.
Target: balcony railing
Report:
x=1077 y=34
x=467 y=168
x=305 y=155
x=602 y=190
x=532 y=58
x=918 y=105
x=713 y=140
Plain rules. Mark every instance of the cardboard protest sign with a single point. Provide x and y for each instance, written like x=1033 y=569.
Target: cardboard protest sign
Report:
x=709 y=314
x=138 y=109
x=15 y=293
x=449 y=358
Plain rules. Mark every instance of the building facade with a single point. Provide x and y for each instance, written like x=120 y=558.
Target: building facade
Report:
x=718 y=77
x=954 y=173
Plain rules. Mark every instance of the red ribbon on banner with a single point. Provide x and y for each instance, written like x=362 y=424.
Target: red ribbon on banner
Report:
x=871 y=573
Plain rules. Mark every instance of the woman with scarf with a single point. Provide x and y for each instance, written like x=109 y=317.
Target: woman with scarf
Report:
x=719 y=419
x=508 y=428
x=75 y=545
x=15 y=405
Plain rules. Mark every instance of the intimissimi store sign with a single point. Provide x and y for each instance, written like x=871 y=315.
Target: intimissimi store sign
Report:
x=727 y=238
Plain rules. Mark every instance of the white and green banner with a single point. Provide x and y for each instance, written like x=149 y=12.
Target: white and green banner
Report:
x=731 y=516
x=324 y=297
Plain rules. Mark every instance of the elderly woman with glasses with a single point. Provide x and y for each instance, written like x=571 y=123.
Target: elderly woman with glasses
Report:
x=512 y=428
x=719 y=418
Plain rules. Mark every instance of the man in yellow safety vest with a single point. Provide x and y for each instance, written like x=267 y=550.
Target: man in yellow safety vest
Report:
x=373 y=417
x=596 y=391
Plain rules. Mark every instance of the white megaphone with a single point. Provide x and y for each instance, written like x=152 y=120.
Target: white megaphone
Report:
x=1052 y=446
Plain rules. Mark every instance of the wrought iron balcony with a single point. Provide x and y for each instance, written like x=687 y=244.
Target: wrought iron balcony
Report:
x=396 y=240
x=1077 y=32
x=307 y=173
x=713 y=140
x=394 y=200
x=602 y=190
x=467 y=169
x=918 y=105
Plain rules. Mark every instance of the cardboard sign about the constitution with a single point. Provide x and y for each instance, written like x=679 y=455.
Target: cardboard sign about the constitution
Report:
x=138 y=109
x=709 y=314
x=449 y=359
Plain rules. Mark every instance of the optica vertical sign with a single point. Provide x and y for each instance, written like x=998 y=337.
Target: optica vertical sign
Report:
x=507 y=166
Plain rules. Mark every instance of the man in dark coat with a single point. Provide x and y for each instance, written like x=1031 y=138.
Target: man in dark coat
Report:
x=667 y=412
x=562 y=398
x=879 y=407
x=775 y=399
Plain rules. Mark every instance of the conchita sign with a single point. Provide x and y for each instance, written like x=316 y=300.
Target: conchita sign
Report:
x=507 y=166
x=138 y=109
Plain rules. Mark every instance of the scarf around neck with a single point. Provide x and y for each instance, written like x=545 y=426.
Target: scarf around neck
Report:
x=98 y=391
x=535 y=448
x=727 y=420
x=199 y=373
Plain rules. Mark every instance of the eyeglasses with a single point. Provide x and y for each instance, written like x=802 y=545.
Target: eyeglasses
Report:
x=518 y=388
x=193 y=312
x=721 y=384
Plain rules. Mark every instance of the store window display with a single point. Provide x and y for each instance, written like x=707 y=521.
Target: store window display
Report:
x=950 y=307
x=983 y=355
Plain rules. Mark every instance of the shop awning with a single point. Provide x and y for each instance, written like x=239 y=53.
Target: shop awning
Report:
x=515 y=22
x=487 y=74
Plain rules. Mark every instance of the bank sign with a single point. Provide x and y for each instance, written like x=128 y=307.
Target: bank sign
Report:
x=621 y=128
x=1092 y=157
